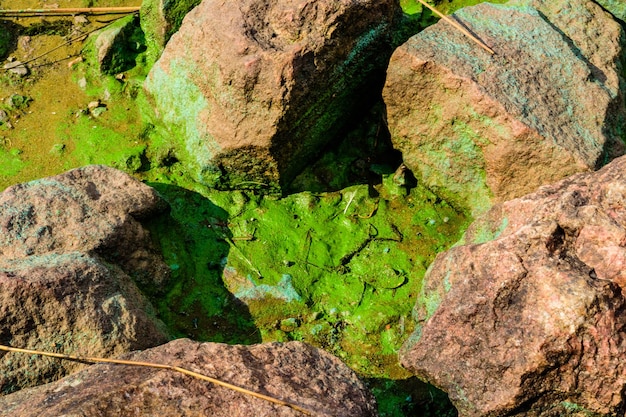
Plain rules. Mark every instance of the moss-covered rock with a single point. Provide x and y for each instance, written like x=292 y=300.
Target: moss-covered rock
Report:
x=478 y=128
x=115 y=48
x=616 y=7
x=250 y=98
x=160 y=19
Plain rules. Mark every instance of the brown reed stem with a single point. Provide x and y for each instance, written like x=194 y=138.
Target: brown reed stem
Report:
x=458 y=27
x=160 y=366
x=71 y=11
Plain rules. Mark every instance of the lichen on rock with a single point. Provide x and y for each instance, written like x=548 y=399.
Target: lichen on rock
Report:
x=528 y=321
x=479 y=129
x=249 y=100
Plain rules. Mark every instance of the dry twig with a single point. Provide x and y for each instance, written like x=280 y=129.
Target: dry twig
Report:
x=70 y=11
x=458 y=27
x=160 y=366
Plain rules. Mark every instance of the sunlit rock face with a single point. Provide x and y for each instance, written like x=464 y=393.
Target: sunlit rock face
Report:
x=316 y=382
x=72 y=250
x=251 y=91
x=525 y=315
x=480 y=128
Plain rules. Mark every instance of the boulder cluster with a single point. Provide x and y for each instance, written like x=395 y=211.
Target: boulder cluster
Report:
x=525 y=316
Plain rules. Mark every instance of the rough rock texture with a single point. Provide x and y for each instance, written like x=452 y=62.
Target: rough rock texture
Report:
x=479 y=129
x=93 y=210
x=251 y=97
x=160 y=19
x=294 y=372
x=73 y=304
x=69 y=245
x=526 y=316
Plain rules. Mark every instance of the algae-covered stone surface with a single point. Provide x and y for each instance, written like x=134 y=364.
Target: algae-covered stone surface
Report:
x=253 y=97
x=616 y=7
x=160 y=19
x=481 y=128
x=337 y=260
x=116 y=46
x=336 y=269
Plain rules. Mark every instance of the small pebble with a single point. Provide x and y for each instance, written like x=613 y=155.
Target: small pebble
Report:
x=16 y=67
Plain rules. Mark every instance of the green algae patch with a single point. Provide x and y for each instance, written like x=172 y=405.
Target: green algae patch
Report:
x=446 y=7
x=160 y=20
x=410 y=397
x=102 y=141
x=616 y=7
x=196 y=304
x=11 y=163
x=340 y=270
x=116 y=47
x=181 y=106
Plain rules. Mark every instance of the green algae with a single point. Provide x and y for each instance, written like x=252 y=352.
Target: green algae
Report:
x=343 y=265
x=160 y=20
x=572 y=408
x=445 y=6
x=11 y=162
x=182 y=135
x=196 y=304
x=462 y=161
x=127 y=41
x=483 y=233
x=410 y=397
x=338 y=263
x=616 y=7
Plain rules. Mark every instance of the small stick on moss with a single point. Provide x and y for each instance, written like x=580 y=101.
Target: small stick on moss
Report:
x=458 y=27
x=71 y=11
x=160 y=366
x=349 y=201
x=80 y=37
x=369 y=216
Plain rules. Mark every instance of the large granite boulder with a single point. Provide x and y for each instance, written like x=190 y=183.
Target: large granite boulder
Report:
x=525 y=317
x=71 y=248
x=480 y=129
x=93 y=210
x=250 y=91
x=293 y=372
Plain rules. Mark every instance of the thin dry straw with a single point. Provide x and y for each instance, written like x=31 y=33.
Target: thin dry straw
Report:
x=71 y=11
x=458 y=27
x=82 y=36
x=161 y=366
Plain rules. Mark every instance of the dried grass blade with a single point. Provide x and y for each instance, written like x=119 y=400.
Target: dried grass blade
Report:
x=160 y=366
x=458 y=27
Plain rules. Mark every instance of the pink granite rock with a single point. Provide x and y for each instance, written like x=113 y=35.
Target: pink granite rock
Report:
x=526 y=315
x=250 y=91
x=480 y=129
x=293 y=372
x=71 y=248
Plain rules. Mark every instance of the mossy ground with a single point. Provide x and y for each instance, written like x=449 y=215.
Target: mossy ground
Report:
x=338 y=262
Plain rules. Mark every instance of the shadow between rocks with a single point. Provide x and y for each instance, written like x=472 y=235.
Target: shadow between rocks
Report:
x=361 y=156
x=410 y=397
x=193 y=240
